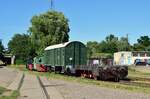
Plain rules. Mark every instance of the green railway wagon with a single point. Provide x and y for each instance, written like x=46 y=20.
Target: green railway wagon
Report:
x=65 y=57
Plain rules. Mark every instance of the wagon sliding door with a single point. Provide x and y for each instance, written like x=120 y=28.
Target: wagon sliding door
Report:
x=73 y=54
x=76 y=53
x=69 y=54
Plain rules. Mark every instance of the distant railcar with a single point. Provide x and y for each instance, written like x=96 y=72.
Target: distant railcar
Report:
x=38 y=64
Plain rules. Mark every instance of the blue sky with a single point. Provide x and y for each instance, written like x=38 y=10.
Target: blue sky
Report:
x=90 y=20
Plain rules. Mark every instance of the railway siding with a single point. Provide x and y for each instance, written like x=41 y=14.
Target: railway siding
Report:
x=51 y=91
x=16 y=84
x=31 y=88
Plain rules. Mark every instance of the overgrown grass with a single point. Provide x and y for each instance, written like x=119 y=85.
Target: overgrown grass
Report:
x=113 y=85
x=20 y=61
x=13 y=95
x=134 y=72
x=19 y=67
x=2 y=90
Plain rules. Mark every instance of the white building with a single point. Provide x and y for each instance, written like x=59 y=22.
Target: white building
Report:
x=131 y=57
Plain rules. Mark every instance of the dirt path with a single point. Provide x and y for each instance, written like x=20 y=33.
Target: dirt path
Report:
x=7 y=75
x=31 y=88
x=59 y=89
x=78 y=91
x=35 y=87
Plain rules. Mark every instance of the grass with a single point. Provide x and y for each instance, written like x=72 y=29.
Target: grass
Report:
x=136 y=72
x=107 y=84
x=2 y=90
x=80 y=80
x=13 y=95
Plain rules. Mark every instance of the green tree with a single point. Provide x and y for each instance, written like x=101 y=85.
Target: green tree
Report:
x=148 y=48
x=47 y=29
x=111 y=38
x=92 y=47
x=20 y=46
x=1 y=50
x=123 y=44
x=111 y=44
x=143 y=44
x=107 y=47
x=144 y=40
x=1 y=47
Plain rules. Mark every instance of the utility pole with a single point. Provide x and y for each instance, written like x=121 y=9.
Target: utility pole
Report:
x=52 y=4
x=127 y=36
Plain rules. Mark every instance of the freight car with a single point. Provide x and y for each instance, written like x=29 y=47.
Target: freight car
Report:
x=64 y=58
x=71 y=58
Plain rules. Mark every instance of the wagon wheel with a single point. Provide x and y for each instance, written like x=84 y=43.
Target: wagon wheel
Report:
x=117 y=79
x=96 y=77
x=49 y=69
x=27 y=66
x=83 y=75
x=68 y=71
x=95 y=74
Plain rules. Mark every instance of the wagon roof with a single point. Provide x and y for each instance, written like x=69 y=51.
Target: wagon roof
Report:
x=57 y=46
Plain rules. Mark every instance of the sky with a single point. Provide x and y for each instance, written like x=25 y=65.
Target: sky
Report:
x=89 y=20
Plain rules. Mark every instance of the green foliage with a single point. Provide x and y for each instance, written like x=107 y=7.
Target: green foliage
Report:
x=2 y=90
x=111 y=38
x=112 y=44
x=123 y=44
x=102 y=55
x=20 y=61
x=1 y=47
x=143 y=44
x=144 y=40
x=48 y=29
x=1 y=50
x=14 y=95
x=148 y=48
x=107 y=47
x=20 y=46
x=92 y=47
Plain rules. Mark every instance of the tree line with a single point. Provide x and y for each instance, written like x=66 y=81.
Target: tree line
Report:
x=52 y=27
x=113 y=44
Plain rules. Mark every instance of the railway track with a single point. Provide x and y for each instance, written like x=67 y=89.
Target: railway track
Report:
x=31 y=87
x=43 y=88
x=139 y=84
x=137 y=81
x=21 y=82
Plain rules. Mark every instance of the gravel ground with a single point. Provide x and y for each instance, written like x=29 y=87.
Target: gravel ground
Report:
x=79 y=91
x=7 y=75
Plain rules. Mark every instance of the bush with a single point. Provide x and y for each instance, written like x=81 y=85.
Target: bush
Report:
x=20 y=62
